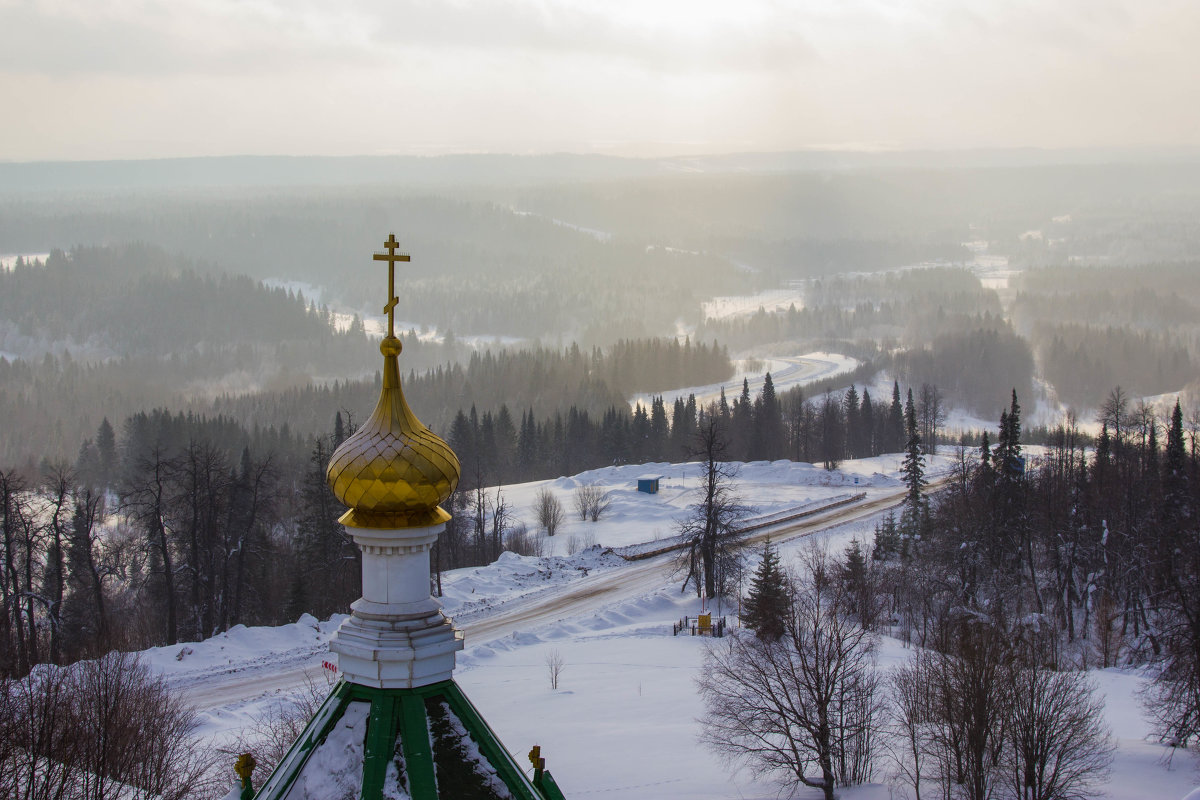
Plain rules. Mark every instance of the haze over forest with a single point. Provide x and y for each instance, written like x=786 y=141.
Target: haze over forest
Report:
x=868 y=229
x=1079 y=277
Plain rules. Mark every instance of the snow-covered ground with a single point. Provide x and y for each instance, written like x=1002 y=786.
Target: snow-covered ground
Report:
x=623 y=722
x=635 y=517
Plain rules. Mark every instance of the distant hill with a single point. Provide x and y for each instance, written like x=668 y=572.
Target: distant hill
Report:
x=505 y=169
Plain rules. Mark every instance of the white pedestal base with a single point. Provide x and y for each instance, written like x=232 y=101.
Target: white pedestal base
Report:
x=396 y=636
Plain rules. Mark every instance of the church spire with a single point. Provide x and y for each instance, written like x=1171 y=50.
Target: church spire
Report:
x=397 y=725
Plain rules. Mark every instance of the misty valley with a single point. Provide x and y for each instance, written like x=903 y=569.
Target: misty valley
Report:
x=1002 y=353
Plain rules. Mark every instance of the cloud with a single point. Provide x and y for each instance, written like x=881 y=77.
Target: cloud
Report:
x=223 y=37
x=178 y=77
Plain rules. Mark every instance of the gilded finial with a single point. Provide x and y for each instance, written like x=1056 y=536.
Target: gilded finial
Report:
x=391 y=256
x=244 y=768
x=393 y=472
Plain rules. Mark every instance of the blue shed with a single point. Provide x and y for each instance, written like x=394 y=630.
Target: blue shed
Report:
x=649 y=483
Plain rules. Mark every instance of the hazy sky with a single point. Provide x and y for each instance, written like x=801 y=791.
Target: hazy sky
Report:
x=84 y=79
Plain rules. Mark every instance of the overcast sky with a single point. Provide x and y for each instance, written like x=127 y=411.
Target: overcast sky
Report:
x=90 y=79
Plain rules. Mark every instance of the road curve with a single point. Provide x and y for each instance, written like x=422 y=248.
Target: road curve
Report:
x=576 y=598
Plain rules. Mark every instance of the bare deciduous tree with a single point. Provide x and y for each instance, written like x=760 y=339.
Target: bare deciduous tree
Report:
x=99 y=729
x=951 y=712
x=582 y=541
x=807 y=702
x=1058 y=745
x=277 y=725
x=931 y=413
x=518 y=539
x=555 y=663
x=548 y=510
x=906 y=743
x=591 y=501
x=710 y=532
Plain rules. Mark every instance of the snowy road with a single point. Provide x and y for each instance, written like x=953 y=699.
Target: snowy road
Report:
x=786 y=372
x=275 y=673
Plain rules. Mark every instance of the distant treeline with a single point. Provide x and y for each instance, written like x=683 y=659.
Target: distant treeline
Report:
x=1090 y=329
x=479 y=267
x=105 y=332
x=1080 y=361
x=972 y=360
x=971 y=367
x=136 y=301
x=909 y=307
x=498 y=448
x=542 y=380
x=1096 y=327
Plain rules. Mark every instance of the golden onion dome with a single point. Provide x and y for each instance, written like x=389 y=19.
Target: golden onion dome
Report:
x=393 y=472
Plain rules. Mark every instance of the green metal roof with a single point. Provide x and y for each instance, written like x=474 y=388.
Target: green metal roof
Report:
x=401 y=744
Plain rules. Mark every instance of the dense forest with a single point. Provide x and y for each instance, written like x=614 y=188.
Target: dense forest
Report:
x=1095 y=327
x=172 y=526
x=1010 y=580
x=1084 y=556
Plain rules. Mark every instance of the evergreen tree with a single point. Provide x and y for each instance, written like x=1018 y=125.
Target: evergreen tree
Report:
x=887 y=539
x=506 y=445
x=659 y=430
x=768 y=423
x=743 y=425
x=853 y=424
x=527 y=444
x=339 y=430
x=640 y=435
x=1008 y=461
x=913 y=470
x=833 y=433
x=328 y=573
x=857 y=585
x=462 y=441
x=84 y=615
x=106 y=452
x=895 y=422
x=767 y=603
x=679 y=429
x=866 y=421
x=1175 y=471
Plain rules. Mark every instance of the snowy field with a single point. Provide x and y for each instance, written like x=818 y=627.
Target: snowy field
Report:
x=623 y=722
x=635 y=517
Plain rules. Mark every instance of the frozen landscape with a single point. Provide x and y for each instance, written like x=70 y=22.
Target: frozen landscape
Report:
x=623 y=722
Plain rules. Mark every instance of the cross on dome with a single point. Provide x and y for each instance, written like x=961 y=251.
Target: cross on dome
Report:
x=391 y=256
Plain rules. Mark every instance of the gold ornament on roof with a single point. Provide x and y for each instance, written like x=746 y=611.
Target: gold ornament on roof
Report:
x=393 y=472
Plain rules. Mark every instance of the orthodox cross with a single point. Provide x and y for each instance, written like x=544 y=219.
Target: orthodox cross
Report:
x=391 y=256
